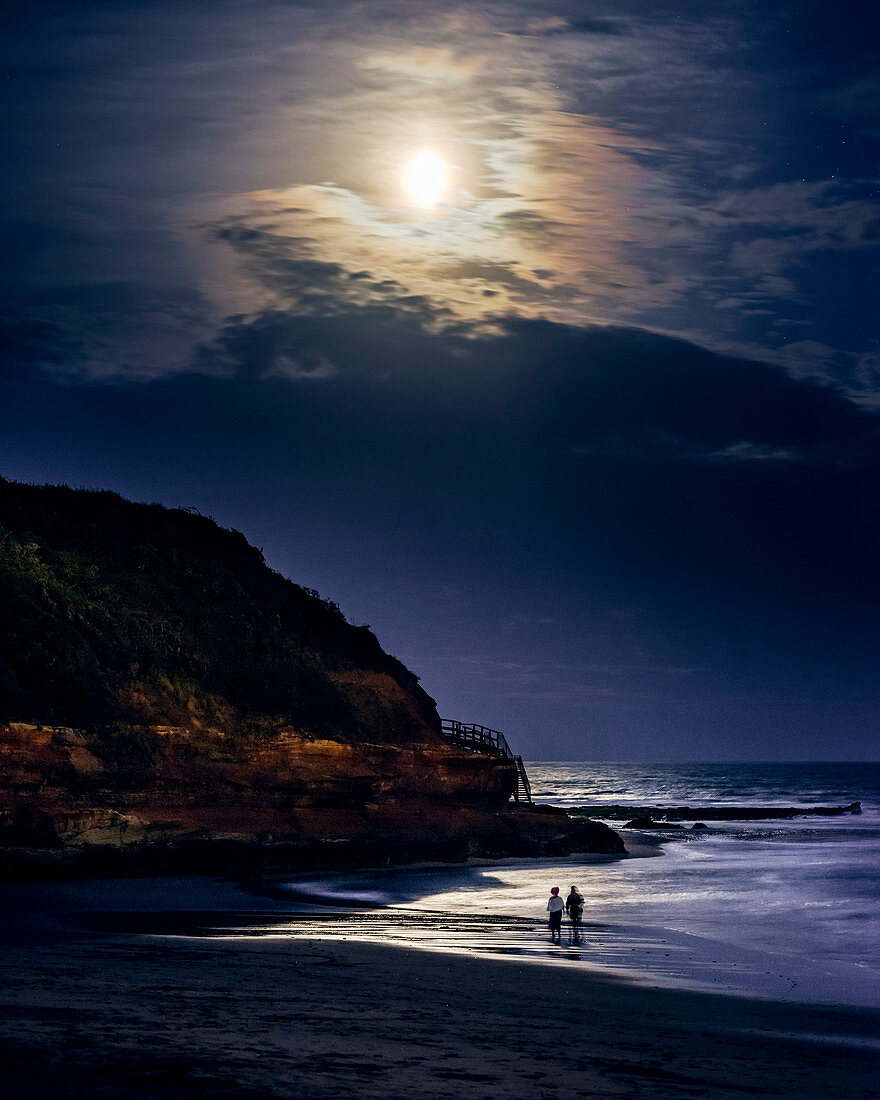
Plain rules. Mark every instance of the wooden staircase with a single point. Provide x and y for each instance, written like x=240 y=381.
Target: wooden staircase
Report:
x=522 y=792
x=489 y=742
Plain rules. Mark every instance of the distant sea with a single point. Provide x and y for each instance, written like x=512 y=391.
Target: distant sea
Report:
x=787 y=909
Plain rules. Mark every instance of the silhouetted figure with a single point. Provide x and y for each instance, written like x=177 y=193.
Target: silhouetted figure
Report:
x=574 y=906
x=555 y=907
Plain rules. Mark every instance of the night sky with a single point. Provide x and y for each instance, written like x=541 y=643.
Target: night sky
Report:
x=589 y=438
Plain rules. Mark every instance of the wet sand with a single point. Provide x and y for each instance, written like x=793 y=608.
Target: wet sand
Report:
x=126 y=1015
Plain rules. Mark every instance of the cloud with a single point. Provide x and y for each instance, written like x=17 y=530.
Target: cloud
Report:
x=299 y=282
x=440 y=65
x=105 y=331
x=37 y=343
x=299 y=367
x=801 y=218
x=528 y=216
x=549 y=26
x=744 y=451
x=544 y=251
x=611 y=168
x=538 y=388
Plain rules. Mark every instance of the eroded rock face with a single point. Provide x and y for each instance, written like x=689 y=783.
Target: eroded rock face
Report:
x=65 y=789
x=171 y=800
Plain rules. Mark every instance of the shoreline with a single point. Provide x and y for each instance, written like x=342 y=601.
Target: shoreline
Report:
x=149 y=1016
x=434 y=908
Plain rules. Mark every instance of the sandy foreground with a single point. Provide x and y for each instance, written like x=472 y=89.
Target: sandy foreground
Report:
x=123 y=1015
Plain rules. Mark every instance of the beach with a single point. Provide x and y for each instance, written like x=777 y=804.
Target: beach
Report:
x=115 y=1012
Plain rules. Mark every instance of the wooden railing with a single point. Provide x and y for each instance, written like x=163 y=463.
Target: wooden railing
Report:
x=490 y=742
x=478 y=738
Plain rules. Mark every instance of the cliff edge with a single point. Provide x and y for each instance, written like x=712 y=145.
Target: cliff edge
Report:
x=168 y=702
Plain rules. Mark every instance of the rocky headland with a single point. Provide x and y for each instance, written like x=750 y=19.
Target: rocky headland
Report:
x=169 y=703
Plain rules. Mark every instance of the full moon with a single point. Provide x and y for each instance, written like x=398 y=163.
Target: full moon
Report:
x=426 y=178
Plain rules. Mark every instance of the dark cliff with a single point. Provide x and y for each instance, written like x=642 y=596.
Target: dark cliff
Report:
x=131 y=614
x=168 y=701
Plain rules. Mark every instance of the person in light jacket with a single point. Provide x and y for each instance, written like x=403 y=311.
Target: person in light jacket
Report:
x=555 y=907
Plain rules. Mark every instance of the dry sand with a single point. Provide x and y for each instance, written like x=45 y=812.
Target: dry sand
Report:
x=118 y=1015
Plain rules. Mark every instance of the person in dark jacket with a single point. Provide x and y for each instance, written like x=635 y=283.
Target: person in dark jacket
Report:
x=574 y=906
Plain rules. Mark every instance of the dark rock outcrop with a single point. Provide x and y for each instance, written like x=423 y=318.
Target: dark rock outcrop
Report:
x=650 y=823
x=186 y=802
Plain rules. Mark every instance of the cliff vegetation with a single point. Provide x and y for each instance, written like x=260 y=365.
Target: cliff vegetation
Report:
x=167 y=701
x=122 y=614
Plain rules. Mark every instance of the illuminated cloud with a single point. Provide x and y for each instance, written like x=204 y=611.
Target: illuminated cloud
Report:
x=610 y=168
x=425 y=64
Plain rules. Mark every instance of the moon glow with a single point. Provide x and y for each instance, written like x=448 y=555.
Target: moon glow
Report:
x=426 y=179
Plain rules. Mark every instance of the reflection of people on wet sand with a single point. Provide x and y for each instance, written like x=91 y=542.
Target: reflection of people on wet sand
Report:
x=574 y=906
x=555 y=907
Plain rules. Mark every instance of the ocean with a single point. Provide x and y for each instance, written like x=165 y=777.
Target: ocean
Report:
x=785 y=909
